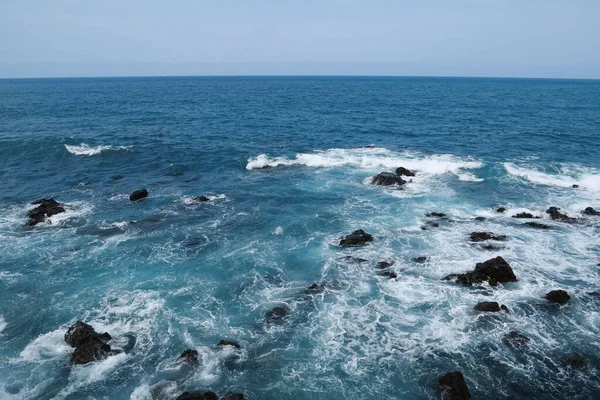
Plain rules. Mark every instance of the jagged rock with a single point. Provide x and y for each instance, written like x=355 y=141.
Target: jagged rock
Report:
x=233 y=396
x=536 y=225
x=488 y=306
x=190 y=356
x=493 y=271
x=436 y=215
x=557 y=215
x=525 y=215
x=224 y=343
x=384 y=264
x=500 y=209
x=420 y=260
x=505 y=309
x=515 y=339
x=356 y=238
x=576 y=362
x=401 y=171
x=138 y=194
x=198 y=396
x=387 y=179
x=45 y=208
x=89 y=345
x=276 y=314
x=454 y=386
x=201 y=199
x=483 y=236
x=591 y=211
x=559 y=297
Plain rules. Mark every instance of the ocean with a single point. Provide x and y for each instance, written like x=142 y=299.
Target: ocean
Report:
x=286 y=165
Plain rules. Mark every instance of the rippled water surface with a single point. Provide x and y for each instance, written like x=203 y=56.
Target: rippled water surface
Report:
x=286 y=169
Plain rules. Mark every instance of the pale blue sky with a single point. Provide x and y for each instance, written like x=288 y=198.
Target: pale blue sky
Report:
x=528 y=38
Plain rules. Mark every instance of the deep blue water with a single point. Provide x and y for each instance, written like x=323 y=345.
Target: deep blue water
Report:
x=165 y=274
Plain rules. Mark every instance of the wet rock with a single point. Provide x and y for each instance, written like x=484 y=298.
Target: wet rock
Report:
x=591 y=211
x=401 y=171
x=198 y=396
x=233 y=396
x=138 y=194
x=431 y=224
x=190 y=356
x=89 y=345
x=493 y=271
x=387 y=179
x=201 y=199
x=276 y=314
x=224 y=343
x=500 y=209
x=436 y=215
x=479 y=219
x=505 y=309
x=575 y=186
x=388 y=274
x=576 y=362
x=488 y=306
x=593 y=294
x=45 y=208
x=384 y=264
x=356 y=238
x=557 y=215
x=559 y=297
x=420 y=260
x=315 y=288
x=491 y=247
x=536 y=225
x=454 y=387
x=525 y=215
x=483 y=236
x=515 y=339
x=370 y=146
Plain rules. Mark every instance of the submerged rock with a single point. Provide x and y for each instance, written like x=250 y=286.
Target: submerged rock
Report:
x=198 y=396
x=454 y=386
x=500 y=209
x=436 y=215
x=479 y=219
x=559 y=297
x=401 y=171
x=89 y=345
x=483 y=236
x=388 y=274
x=557 y=215
x=487 y=306
x=491 y=247
x=525 y=215
x=384 y=264
x=515 y=339
x=45 y=208
x=233 y=396
x=420 y=260
x=536 y=225
x=576 y=362
x=354 y=259
x=138 y=194
x=591 y=211
x=387 y=179
x=224 y=343
x=493 y=271
x=201 y=199
x=190 y=356
x=356 y=238
x=276 y=314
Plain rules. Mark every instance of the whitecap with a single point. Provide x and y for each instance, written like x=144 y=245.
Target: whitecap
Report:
x=86 y=150
x=2 y=324
x=585 y=178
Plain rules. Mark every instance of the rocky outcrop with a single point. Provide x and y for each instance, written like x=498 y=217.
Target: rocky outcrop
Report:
x=224 y=343
x=536 y=225
x=189 y=356
x=356 y=238
x=493 y=271
x=559 y=297
x=401 y=171
x=45 y=208
x=555 y=214
x=515 y=339
x=138 y=195
x=454 y=387
x=89 y=345
x=483 y=236
x=590 y=211
x=198 y=396
x=525 y=215
x=387 y=179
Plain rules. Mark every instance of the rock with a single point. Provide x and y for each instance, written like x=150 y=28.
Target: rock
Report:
x=370 y=146
x=224 y=343
x=276 y=314
x=138 y=194
x=593 y=294
x=575 y=186
x=488 y=306
x=557 y=215
x=354 y=259
x=401 y=171
x=591 y=211
x=482 y=236
x=198 y=396
x=190 y=356
x=45 y=208
x=388 y=179
x=356 y=238
x=576 y=362
x=490 y=247
x=201 y=199
x=536 y=225
x=436 y=215
x=384 y=264
x=315 y=288
x=233 y=396
x=500 y=209
x=420 y=260
x=389 y=274
x=515 y=339
x=505 y=309
x=525 y=215
x=454 y=386
x=479 y=219
x=89 y=345
x=493 y=271
x=559 y=297
x=432 y=224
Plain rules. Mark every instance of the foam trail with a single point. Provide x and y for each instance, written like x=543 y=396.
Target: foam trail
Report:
x=2 y=324
x=585 y=178
x=85 y=150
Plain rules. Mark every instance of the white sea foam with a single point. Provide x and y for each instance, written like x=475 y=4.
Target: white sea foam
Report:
x=47 y=346
x=86 y=150
x=2 y=324
x=569 y=175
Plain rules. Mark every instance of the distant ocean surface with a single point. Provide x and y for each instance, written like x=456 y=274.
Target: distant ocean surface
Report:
x=286 y=169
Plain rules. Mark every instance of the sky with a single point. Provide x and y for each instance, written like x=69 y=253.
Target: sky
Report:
x=497 y=38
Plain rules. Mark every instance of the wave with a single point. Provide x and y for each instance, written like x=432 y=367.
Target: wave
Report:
x=570 y=175
x=85 y=150
x=373 y=159
x=2 y=323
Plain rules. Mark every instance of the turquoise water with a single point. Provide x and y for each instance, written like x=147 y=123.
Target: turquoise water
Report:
x=166 y=273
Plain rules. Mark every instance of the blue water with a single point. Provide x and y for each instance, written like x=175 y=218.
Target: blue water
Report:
x=165 y=274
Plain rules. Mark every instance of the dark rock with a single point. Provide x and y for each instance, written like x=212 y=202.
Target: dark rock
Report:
x=45 y=208
x=401 y=171
x=525 y=215
x=315 y=288
x=557 y=215
x=505 y=309
x=431 y=224
x=81 y=333
x=420 y=260
x=201 y=199
x=190 y=356
x=454 y=386
x=488 y=306
x=276 y=314
x=89 y=345
x=389 y=274
x=500 y=209
x=89 y=352
x=591 y=211
x=138 y=194
x=233 y=396
x=479 y=219
x=490 y=247
x=559 y=297
x=198 y=396
x=482 y=236
x=224 y=343
x=515 y=339
x=436 y=215
x=370 y=146
x=384 y=264
x=493 y=271
x=593 y=294
x=576 y=362
x=575 y=186
x=536 y=225
x=387 y=179
x=356 y=238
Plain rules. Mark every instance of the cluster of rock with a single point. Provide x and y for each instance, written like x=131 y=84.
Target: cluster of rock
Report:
x=391 y=179
x=45 y=208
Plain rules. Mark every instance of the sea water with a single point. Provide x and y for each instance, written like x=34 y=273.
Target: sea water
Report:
x=286 y=164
